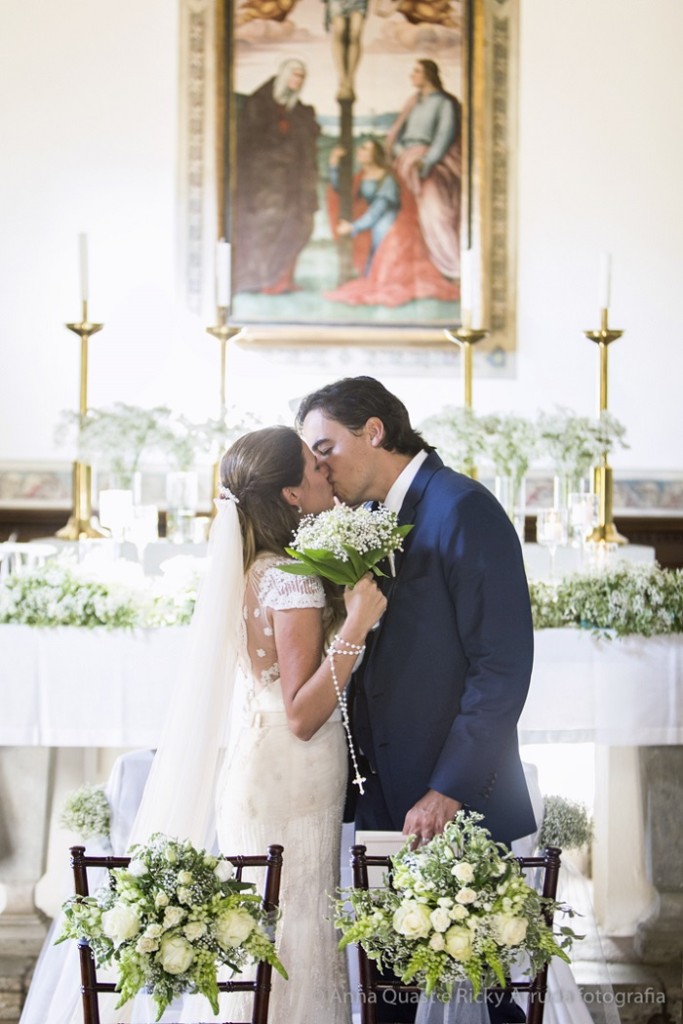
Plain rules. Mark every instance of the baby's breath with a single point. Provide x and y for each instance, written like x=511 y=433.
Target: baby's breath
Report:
x=342 y=544
x=86 y=812
x=629 y=599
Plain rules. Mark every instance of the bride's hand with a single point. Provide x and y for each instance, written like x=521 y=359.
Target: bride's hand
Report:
x=365 y=604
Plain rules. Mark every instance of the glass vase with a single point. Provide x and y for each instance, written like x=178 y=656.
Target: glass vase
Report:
x=566 y=482
x=511 y=493
x=182 y=498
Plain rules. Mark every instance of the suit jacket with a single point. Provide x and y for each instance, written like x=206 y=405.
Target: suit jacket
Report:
x=446 y=674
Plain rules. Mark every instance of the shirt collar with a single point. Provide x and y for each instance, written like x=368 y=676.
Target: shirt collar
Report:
x=401 y=484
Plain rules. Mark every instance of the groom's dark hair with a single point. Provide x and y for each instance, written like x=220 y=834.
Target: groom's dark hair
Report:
x=353 y=400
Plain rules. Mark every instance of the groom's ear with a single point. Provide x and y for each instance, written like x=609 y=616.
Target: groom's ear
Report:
x=375 y=431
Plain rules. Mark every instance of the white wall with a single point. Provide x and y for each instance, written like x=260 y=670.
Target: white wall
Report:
x=88 y=122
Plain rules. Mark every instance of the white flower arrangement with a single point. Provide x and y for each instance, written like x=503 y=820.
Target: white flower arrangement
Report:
x=343 y=544
x=61 y=593
x=576 y=443
x=170 y=920
x=86 y=812
x=459 y=436
x=566 y=824
x=511 y=443
x=629 y=599
x=455 y=909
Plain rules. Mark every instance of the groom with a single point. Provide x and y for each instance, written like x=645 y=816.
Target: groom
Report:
x=445 y=676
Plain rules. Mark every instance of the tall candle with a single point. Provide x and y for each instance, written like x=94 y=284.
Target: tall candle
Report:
x=605 y=279
x=223 y=273
x=83 y=265
x=466 y=287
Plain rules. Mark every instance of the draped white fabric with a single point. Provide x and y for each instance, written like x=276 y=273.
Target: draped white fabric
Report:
x=78 y=687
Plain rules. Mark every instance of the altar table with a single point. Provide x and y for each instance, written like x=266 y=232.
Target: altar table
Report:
x=98 y=688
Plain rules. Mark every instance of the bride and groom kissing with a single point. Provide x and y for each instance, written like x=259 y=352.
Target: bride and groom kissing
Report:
x=438 y=686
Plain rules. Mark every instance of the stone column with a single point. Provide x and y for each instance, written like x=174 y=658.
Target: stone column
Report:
x=26 y=780
x=659 y=938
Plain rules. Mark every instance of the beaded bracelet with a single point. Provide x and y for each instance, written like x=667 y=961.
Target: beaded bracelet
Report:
x=341 y=646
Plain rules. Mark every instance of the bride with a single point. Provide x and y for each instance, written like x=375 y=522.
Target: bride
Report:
x=284 y=776
x=256 y=691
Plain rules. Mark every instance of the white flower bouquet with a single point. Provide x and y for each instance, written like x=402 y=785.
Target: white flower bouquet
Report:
x=170 y=920
x=455 y=909
x=86 y=812
x=343 y=544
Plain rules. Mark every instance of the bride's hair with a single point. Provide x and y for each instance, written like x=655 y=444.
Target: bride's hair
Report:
x=256 y=468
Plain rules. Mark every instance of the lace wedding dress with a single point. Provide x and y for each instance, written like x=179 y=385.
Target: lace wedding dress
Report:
x=275 y=788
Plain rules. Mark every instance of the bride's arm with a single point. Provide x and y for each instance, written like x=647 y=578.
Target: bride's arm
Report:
x=307 y=686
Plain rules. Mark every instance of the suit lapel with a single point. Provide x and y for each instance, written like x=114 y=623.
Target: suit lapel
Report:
x=408 y=511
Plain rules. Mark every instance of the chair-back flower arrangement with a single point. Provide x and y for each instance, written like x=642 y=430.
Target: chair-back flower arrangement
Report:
x=456 y=909
x=170 y=920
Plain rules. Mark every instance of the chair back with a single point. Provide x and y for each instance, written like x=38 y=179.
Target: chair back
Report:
x=91 y=987
x=372 y=985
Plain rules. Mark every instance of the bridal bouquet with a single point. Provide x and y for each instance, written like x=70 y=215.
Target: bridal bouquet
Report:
x=455 y=909
x=169 y=920
x=343 y=544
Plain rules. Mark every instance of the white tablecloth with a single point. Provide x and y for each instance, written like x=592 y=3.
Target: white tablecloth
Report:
x=95 y=688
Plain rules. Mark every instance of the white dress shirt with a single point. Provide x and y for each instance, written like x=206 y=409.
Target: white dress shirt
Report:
x=401 y=484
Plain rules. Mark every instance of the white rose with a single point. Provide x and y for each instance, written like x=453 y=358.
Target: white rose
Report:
x=194 y=930
x=459 y=913
x=437 y=942
x=233 y=927
x=145 y=944
x=170 y=855
x=224 y=870
x=184 y=894
x=161 y=900
x=463 y=871
x=137 y=868
x=466 y=896
x=120 y=923
x=441 y=919
x=458 y=942
x=175 y=955
x=412 y=920
x=508 y=930
x=185 y=877
x=445 y=901
x=173 y=916
x=153 y=931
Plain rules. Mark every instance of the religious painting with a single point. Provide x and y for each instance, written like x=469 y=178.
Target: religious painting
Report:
x=349 y=193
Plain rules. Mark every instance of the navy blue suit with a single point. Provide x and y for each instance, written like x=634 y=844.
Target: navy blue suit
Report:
x=445 y=676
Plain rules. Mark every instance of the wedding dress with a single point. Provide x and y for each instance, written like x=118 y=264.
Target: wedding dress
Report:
x=275 y=788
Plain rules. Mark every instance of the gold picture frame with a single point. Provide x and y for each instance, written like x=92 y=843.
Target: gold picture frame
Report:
x=488 y=46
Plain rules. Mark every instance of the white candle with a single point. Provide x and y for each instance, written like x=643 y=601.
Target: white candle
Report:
x=466 y=287
x=605 y=279
x=223 y=273
x=83 y=265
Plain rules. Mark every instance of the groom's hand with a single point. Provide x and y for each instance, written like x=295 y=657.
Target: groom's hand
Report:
x=429 y=815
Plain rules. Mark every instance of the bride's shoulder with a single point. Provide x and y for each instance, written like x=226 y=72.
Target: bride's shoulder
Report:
x=279 y=589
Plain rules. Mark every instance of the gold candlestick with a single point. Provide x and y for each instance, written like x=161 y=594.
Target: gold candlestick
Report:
x=79 y=524
x=466 y=338
x=224 y=332
x=605 y=532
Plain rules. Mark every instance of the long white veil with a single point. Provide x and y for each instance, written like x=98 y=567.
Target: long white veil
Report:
x=178 y=797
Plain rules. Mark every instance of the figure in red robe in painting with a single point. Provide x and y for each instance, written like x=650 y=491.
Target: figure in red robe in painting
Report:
x=276 y=183
x=394 y=266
